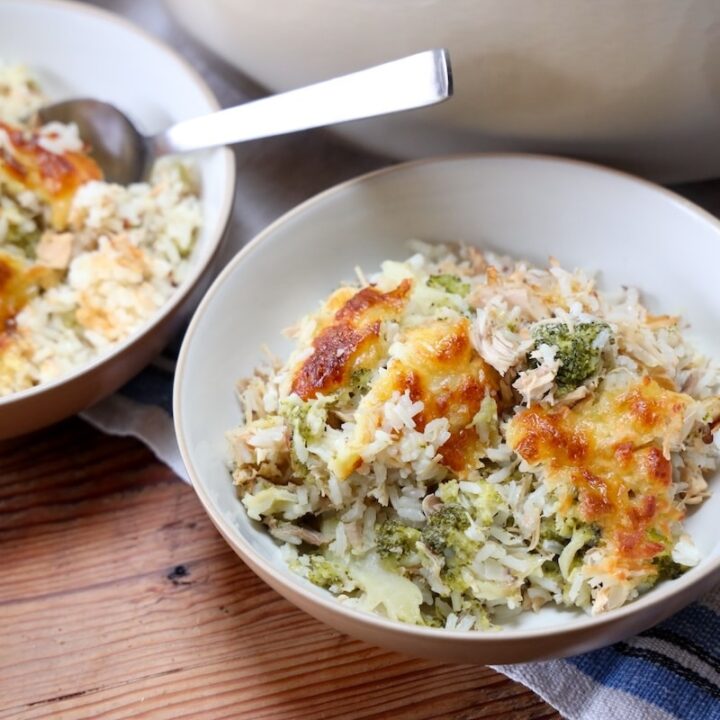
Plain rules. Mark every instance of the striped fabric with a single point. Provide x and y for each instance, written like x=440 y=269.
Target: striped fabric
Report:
x=669 y=671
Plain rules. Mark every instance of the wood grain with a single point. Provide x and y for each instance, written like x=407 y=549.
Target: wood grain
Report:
x=120 y=600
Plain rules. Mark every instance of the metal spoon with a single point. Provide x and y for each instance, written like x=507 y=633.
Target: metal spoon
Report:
x=125 y=155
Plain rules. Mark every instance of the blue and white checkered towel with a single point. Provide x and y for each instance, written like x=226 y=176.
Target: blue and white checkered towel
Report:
x=671 y=671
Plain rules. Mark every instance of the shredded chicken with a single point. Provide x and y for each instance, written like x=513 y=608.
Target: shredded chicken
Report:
x=431 y=504
x=697 y=489
x=354 y=532
x=536 y=383
x=609 y=598
x=516 y=296
x=295 y=534
x=55 y=250
x=575 y=396
x=497 y=344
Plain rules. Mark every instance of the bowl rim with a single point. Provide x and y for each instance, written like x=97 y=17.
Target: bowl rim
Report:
x=195 y=274
x=576 y=622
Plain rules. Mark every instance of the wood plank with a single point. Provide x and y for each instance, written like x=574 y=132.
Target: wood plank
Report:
x=120 y=600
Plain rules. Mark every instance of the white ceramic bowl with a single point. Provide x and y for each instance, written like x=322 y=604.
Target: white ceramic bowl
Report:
x=633 y=232
x=79 y=51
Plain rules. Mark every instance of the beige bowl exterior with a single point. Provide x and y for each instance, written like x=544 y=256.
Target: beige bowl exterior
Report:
x=631 y=84
x=529 y=206
x=43 y=35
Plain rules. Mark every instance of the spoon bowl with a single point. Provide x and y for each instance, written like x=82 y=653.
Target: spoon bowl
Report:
x=118 y=148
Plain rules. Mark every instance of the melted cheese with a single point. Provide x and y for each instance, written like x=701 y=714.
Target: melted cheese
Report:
x=347 y=338
x=436 y=365
x=604 y=458
x=25 y=165
x=18 y=284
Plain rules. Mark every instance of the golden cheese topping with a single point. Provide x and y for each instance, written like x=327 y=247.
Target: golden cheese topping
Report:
x=605 y=460
x=18 y=283
x=440 y=368
x=26 y=165
x=347 y=338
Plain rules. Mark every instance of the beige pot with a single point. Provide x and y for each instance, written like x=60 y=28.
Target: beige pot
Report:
x=633 y=84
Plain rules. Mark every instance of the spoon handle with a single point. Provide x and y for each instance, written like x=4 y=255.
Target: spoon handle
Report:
x=411 y=82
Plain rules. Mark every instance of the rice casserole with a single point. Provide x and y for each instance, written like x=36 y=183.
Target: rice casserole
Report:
x=83 y=263
x=461 y=437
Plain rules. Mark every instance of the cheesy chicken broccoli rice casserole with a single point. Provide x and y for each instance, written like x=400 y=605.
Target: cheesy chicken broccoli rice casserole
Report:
x=464 y=436
x=83 y=263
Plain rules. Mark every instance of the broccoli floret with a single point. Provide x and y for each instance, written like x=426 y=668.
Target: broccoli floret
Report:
x=433 y=619
x=360 y=380
x=452 y=575
x=656 y=536
x=551 y=569
x=557 y=529
x=25 y=241
x=478 y=609
x=576 y=350
x=297 y=415
x=593 y=535
x=485 y=422
x=395 y=541
x=449 y=491
x=444 y=535
x=445 y=528
x=325 y=573
x=450 y=284
x=667 y=568
x=307 y=419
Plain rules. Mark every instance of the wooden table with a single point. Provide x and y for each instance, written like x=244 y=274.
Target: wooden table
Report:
x=119 y=599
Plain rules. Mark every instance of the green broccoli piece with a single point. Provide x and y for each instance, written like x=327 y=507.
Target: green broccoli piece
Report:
x=657 y=537
x=433 y=619
x=575 y=349
x=24 y=241
x=551 y=569
x=450 y=284
x=453 y=577
x=396 y=541
x=593 y=536
x=667 y=568
x=448 y=491
x=444 y=535
x=478 y=609
x=325 y=573
x=558 y=529
x=360 y=380
x=297 y=415
x=445 y=528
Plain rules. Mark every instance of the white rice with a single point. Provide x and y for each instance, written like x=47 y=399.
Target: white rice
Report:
x=528 y=532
